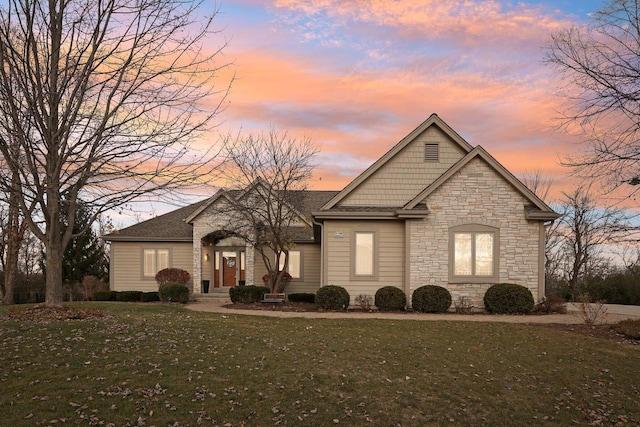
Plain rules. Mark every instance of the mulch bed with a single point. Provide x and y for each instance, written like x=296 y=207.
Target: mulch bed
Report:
x=41 y=314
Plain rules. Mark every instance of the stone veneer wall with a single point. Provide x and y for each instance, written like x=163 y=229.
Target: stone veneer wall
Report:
x=206 y=223
x=475 y=195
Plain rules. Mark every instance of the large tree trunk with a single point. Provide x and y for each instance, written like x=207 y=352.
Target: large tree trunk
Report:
x=54 y=272
x=54 y=250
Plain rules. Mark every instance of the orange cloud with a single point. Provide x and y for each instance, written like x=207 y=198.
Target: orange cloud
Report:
x=358 y=76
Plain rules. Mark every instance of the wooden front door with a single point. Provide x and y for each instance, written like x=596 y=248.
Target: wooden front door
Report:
x=229 y=268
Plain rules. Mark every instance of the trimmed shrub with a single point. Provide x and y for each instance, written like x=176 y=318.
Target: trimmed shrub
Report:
x=390 y=298
x=431 y=299
x=173 y=292
x=129 y=296
x=105 y=295
x=150 y=297
x=247 y=294
x=332 y=297
x=302 y=297
x=508 y=298
x=172 y=275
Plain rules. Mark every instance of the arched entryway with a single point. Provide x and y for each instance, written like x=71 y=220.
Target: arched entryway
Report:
x=224 y=261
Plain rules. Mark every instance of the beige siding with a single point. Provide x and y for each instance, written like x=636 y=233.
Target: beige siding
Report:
x=406 y=174
x=127 y=256
x=475 y=195
x=310 y=281
x=389 y=256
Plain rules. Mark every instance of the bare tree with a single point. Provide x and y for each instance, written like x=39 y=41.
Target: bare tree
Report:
x=103 y=99
x=584 y=230
x=599 y=67
x=269 y=173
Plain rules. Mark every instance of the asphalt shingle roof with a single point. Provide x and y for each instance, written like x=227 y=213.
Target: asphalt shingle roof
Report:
x=172 y=227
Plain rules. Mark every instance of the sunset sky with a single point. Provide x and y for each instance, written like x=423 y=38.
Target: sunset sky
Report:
x=357 y=76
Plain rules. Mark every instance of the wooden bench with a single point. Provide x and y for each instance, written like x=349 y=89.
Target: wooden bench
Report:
x=274 y=298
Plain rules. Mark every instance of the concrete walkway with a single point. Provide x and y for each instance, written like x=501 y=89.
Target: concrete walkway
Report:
x=614 y=314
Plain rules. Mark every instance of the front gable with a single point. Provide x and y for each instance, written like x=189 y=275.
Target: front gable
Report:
x=405 y=170
x=467 y=167
x=227 y=206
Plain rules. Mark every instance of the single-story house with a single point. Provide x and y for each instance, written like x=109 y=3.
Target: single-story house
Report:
x=433 y=210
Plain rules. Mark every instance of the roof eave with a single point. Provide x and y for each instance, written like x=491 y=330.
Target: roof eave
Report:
x=412 y=213
x=535 y=215
x=353 y=215
x=111 y=238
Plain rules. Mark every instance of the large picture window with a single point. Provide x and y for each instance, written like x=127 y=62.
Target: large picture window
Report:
x=154 y=260
x=474 y=253
x=364 y=254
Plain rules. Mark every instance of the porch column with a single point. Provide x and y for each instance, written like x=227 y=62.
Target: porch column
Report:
x=197 y=263
x=249 y=259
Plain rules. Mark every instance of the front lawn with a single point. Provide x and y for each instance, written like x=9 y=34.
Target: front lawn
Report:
x=157 y=365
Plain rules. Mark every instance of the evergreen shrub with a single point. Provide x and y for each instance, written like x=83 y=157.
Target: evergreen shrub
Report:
x=390 y=298
x=247 y=294
x=302 y=297
x=508 y=298
x=105 y=295
x=150 y=297
x=173 y=292
x=431 y=299
x=129 y=296
x=332 y=297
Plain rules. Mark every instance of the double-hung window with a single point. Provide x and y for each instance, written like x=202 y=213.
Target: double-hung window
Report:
x=294 y=268
x=364 y=254
x=154 y=260
x=473 y=253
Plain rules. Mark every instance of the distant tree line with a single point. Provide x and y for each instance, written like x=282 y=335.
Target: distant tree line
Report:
x=85 y=264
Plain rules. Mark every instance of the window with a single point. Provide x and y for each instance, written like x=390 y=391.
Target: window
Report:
x=364 y=254
x=295 y=264
x=154 y=260
x=474 y=253
x=431 y=153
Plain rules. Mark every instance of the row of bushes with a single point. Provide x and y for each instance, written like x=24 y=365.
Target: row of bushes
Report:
x=252 y=294
x=170 y=292
x=504 y=298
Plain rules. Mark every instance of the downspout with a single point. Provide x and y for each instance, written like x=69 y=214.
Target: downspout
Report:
x=322 y=266
x=407 y=261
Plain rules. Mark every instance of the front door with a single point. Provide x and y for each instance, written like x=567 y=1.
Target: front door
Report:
x=229 y=268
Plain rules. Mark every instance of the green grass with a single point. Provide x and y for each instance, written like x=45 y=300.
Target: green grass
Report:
x=159 y=365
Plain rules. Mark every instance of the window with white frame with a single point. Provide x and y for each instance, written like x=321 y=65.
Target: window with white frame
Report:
x=364 y=254
x=154 y=260
x=294 y=268
x=474 y=253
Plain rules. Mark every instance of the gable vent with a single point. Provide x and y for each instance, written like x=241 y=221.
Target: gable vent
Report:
x=431 y=153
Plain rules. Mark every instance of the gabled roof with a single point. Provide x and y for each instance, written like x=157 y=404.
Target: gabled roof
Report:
x=307 y=201
x=433 y=120
x=173 y=226
x=541 y=211
x=227 y=194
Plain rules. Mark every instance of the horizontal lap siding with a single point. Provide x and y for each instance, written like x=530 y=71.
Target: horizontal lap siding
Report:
x=311 y=275
x=390 y=255
x=310 y=281
x=126 y=262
